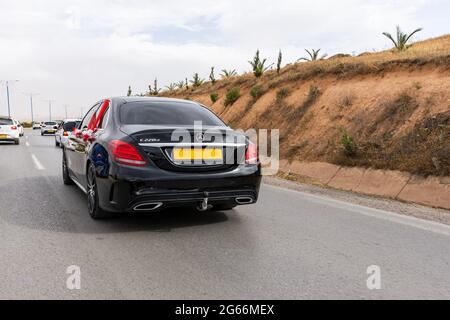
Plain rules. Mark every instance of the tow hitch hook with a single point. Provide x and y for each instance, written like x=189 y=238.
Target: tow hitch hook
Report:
x=204 y=205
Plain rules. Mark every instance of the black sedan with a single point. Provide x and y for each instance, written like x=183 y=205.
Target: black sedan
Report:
x=133 y=154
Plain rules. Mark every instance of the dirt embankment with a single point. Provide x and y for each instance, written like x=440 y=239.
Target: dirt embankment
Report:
x=382 y=110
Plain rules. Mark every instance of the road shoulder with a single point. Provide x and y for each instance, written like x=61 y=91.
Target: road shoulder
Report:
x=408 y=209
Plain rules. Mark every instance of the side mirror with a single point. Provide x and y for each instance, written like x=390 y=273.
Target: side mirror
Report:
x=69 y=126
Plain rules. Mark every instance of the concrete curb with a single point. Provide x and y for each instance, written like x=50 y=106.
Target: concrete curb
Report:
x=430 y=191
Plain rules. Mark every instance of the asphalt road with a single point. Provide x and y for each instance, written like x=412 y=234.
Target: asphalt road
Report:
x=290 y=245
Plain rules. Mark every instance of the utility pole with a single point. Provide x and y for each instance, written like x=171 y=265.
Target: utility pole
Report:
x=50 y=108
x=7 y=82
x=31 y=94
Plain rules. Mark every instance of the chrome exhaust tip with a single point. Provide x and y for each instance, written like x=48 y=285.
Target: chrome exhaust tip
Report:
x=244 y=200
x=147 y=206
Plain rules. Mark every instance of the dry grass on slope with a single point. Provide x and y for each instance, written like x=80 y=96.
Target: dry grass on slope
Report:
x=384 y=110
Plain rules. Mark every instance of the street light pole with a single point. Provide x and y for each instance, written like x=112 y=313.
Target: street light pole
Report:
x=31 y=94
x=7 y=94
x=65 y=108
x=50 y=108
x=7 y=98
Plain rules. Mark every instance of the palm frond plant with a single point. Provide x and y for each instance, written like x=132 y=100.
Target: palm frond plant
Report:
x=196 y=80
x=313 y=55
x=155 y=90
x=280 y=57
x=212 y=77
x=180 y=84
x=171 y=87
x=258 y=65
x=129 y=91
x=228 y=73
x=401 y=43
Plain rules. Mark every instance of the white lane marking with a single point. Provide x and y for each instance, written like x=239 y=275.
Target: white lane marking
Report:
x=27 y=143
x=411 y=221
x=37 y=164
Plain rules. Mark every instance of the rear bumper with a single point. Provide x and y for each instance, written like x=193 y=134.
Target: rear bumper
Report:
x=9 y=136
x=238 y=187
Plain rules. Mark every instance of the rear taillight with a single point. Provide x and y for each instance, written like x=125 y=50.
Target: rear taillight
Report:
x=13 y=128
x=125 y=153
x=65 y=133
x=251 y=155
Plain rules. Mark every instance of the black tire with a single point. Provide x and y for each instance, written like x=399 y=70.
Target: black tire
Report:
x=42 y=133
x=57 y=143
x=92 y=196
x=223 y=207
x=65 y=172
x=16 y=141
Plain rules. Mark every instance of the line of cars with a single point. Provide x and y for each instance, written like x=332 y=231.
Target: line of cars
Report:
x=131 y=154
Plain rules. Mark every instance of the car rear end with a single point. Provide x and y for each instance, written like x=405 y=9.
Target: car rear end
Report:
x=49 y=127
x=9 y=131
x=213 y=167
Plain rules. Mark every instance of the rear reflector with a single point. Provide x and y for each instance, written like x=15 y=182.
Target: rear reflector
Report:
x=125 y=153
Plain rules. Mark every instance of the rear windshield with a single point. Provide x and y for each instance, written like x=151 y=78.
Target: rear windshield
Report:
x=6 y=121
x=50 y=123
x=167 y=113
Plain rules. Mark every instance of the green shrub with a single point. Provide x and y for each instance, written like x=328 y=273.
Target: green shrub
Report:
x=256 y=92
x=348 y=145
x=231 y=96
x=214 y=97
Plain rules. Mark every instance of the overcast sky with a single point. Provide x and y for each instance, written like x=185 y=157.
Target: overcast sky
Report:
x=77 y=52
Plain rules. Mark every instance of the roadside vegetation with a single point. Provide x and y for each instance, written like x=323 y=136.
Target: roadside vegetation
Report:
x=325 y=111
x=401 y=41
x=313 y=55
x=231 y=96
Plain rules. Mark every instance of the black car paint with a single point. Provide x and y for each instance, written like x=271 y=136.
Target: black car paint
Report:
x=121 y=187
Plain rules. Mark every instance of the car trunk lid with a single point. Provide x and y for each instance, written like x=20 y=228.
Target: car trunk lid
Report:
x=189 y=149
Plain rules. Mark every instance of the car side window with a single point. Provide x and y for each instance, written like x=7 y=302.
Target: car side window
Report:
x=87 y=118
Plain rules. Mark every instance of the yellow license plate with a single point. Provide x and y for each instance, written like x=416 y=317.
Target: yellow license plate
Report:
x=3 y=136
x=197 y=154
